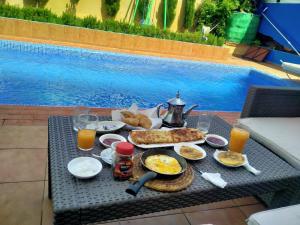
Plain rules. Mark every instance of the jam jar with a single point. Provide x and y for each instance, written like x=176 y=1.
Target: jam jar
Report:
x=123 y=162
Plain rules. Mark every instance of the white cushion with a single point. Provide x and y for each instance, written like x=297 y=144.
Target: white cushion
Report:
x=282 y=216
x=281 y=135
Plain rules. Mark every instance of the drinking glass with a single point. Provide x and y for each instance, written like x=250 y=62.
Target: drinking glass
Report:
x=238 y=139
x=87 y=124
x=203 y=123
x=80 y=110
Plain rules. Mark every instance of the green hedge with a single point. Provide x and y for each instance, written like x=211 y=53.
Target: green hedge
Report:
x=112 y=7
x=45 y=15
x=189 y=14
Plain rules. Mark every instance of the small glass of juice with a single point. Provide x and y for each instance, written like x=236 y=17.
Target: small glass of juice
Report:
x=238 y=139
x=87 y=131
x=86 y=139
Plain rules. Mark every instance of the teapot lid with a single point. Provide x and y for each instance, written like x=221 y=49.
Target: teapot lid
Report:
x=177 y=100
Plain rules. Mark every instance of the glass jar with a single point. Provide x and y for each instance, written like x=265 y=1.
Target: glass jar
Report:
x=123 y=162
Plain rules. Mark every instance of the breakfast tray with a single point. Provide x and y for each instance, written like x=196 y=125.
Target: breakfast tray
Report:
x=165 y=185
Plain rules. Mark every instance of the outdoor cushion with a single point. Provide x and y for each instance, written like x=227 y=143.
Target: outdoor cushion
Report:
x=281 y=135
x=289 y=215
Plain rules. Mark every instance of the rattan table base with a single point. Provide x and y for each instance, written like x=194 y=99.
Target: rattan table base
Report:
x=165 y=185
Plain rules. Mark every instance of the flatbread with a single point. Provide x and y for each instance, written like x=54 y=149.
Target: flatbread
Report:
x=231 y=158
x=165 y=137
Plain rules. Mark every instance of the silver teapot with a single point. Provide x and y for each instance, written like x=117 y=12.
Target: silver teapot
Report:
x=175 y=117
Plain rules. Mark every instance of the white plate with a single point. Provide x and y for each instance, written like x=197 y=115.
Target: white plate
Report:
x=84 y=167
x=163 y=145
x=214 y=145
x=109 y=126
x=116 y=136
x=107 y=155
x=217 y=152
x=198 y=148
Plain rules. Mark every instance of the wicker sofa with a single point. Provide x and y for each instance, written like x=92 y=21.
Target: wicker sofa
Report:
x=272 y=115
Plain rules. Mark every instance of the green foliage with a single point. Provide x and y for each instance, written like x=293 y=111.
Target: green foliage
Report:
x=189 y=14
x=112 y=7
x=45 y=15
x=142 y=8
x=171 y=10
x=217 y=12
x=2 y=1
x=35 y=3
x=70 y=19
x=90 y=22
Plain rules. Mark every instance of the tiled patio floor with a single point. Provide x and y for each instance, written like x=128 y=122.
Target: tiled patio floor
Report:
x=23 y=177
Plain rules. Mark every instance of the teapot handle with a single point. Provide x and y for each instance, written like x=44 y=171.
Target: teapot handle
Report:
x=158 y=110
x=185 y=114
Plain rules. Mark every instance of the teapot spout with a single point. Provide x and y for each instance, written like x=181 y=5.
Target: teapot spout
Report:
x=185 y=114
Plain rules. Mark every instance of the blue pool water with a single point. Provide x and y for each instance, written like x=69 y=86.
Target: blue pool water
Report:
x=48 y=75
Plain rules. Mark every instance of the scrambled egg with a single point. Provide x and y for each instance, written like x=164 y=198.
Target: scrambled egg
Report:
x=163 y=164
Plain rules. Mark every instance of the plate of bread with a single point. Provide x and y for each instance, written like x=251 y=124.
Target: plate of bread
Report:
x=165 y=138
x=136 y=119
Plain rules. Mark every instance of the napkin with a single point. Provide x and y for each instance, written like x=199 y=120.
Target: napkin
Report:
x=151 y=113
x=215 y=178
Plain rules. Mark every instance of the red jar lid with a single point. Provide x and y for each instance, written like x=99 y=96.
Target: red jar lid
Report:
x=124 y=148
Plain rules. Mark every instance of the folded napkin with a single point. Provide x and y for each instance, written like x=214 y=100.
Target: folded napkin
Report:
x=151 y=113
x=215 y=178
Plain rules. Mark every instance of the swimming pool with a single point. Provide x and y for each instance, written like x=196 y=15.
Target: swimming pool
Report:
x=38 y=74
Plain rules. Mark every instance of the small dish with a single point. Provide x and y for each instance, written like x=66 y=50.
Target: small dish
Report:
x=213 y=139
x=107 y=155
x=84 y=167
x=216 y=154
x=107 y=139
x=196 y=147
x=109 y=126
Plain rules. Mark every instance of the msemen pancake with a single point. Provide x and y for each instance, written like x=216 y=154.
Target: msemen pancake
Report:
x=231 y=158
x=163 y=164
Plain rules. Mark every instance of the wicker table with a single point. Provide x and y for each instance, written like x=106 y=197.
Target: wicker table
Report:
x=101 y=198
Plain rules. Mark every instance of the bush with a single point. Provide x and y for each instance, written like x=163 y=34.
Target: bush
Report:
x=189 y=14
x=142 y=8
x=2 y=1
x=171 y=10
x=90 y=22
x=44 y=15
x=112 y=7
x=70 y=19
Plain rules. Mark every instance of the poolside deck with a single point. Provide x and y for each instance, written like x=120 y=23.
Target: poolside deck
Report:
x=23 y=177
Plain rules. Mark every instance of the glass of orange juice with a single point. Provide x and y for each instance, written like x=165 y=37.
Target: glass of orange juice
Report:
x=86 y=139
x=87 y=131
x=238 y=139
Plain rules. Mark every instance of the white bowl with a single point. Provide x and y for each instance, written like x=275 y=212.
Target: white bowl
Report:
x=198 y=148
x=84 y=167
x=215 y=145
x=115 y=136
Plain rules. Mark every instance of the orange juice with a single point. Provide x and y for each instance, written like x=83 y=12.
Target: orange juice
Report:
x=86 y=139
x=238 y=139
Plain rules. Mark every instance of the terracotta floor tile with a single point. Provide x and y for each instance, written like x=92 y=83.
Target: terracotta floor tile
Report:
x=26 y=122
x=22 y=165
x=162 y=213
x=228 y=216
x=23 y=137
x=161 y=220
x=47 y=213
x=250 y=209
x=214 y=205
x=246 y=201
x=20 y=203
